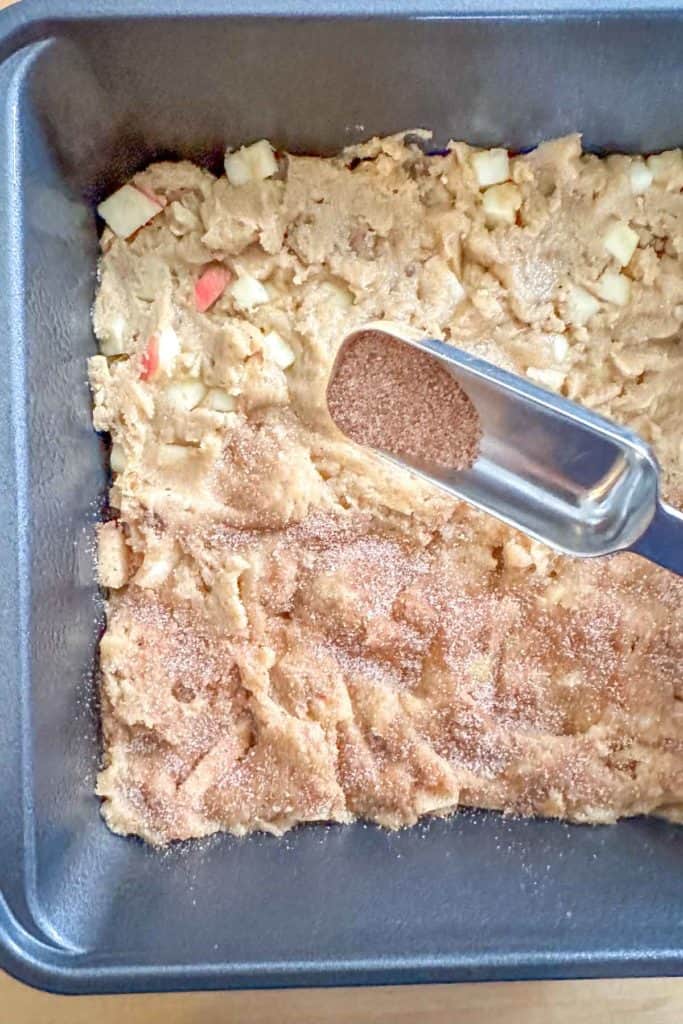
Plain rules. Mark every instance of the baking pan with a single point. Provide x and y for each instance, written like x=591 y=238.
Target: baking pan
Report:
x=89 y=93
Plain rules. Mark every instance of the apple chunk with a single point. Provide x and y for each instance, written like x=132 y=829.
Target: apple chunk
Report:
x=117 y=458
x=501 y=203
x=149 y=363
x=580 y=306
x=160 y=559
x=184 y=395
x=277 y=350
x=615 y=288
x=621 y=241
x=491 y=167
x=210 y=286
x=251 y=163
x=248 y=292
x=163 y=348
x=112 y=555
x=640 y=177
x=128 y=209
x=220 y=400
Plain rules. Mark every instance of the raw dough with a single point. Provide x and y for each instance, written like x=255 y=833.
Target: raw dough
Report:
x=298 y=632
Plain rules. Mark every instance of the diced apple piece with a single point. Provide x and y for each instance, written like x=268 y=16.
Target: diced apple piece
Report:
x=491 y=166
x=115 y=497
x=181 y=220
x=110 y=346
x=184 y=395
x=516 y=556
x=237 y=168
x=262 y=160
x=501 y=203
x=159 y=561
x=560 y=347
x=251 y=163
x=163 y=348
x=553 y=379
x=220 y=400
x=169 y=349
x=336 y=295
x=210 y=287
x=640 y=177
x=613 y=287
x=581 y=305
x=453 y=290
x=98 y=370
x=248 y=292
x=112 y=555
x=112 y=338
x=541 y=556
x=127 y=209
x=149 y=362
x=666 y=167
x=277 y=350
x=621 y=241
x=117 y=458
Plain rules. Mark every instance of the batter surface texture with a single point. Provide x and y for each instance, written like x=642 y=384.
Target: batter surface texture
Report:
x=297 y=631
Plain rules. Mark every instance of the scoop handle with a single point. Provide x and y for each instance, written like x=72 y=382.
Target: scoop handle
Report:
x=662 y=541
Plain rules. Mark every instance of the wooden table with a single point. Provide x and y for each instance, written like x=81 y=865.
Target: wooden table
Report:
x=638 y=1001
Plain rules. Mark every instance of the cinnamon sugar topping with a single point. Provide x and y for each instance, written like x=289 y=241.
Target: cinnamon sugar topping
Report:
x=388 y=395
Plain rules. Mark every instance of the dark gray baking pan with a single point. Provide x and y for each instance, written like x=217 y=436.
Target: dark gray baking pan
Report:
x=89 y=92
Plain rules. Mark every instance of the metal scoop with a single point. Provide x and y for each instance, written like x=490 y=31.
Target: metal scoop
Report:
x=551 y=468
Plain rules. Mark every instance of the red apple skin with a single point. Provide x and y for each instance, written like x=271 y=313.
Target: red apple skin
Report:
x=149 y=364
x=210 y=286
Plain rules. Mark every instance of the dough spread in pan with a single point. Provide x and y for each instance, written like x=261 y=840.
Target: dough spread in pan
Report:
x=298 y=631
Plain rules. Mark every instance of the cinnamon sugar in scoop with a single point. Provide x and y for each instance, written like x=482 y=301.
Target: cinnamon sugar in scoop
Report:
x=385 y=394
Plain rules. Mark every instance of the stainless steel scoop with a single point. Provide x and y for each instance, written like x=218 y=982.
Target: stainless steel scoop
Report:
x=551 y=468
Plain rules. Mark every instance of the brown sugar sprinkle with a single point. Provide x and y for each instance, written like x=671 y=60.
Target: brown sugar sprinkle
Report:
x=385 y=394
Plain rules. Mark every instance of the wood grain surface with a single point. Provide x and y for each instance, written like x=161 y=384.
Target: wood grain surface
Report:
x=638 y=1001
